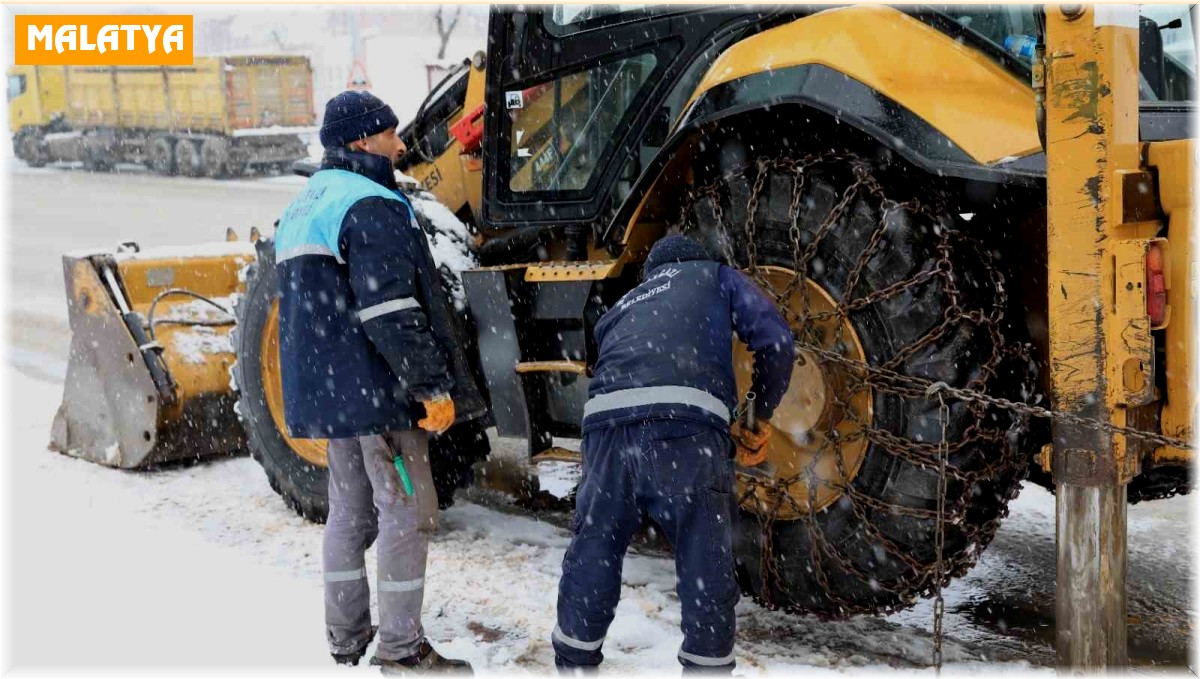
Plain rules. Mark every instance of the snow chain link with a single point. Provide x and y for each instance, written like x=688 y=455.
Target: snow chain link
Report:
x=939 y=604
x=926 y=579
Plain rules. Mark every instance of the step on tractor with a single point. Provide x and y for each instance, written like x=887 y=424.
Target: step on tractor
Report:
x=896 y=179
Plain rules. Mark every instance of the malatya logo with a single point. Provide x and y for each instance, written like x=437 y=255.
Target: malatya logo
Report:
x=103 y=40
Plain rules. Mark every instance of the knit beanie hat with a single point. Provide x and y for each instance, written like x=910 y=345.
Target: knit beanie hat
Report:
x=677 y=248
x=354 y=115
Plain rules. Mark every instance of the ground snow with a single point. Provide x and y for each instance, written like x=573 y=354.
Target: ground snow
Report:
x=203 y=566
x=559 y=478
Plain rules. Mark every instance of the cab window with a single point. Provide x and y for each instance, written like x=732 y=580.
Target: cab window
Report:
x=1176 y=81
x=1010 y=27
x=567 y=19
x=1167 y=43
x=562 y=130
x=16 y=86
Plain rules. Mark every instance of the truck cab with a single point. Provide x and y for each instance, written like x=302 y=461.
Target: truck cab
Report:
x=35 y=95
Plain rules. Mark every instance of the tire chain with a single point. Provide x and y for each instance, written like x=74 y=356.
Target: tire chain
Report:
x=925 y=579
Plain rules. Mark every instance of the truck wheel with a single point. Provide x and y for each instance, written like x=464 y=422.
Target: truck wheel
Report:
x=297 y=468
x=92 y=163
x=187 y=158
x=236 y=169
x=844 y=519
x=96 y=156
x=161 y=156
x=28 y=147
x=214 y=157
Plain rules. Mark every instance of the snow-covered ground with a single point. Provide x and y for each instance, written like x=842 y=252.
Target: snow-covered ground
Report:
x=204 y=567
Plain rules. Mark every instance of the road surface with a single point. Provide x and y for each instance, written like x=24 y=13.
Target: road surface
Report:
x=203 y=565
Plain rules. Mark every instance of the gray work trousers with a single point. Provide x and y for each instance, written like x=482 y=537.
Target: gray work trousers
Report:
x=367 y=499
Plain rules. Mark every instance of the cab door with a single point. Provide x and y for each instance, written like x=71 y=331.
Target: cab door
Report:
x=577 y=97
x=22 y=98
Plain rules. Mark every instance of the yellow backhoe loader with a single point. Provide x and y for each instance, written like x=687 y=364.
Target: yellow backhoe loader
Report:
x=900 y=180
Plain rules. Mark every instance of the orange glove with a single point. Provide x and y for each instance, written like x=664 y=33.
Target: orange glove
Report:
x=439 y=415
x=752 y=443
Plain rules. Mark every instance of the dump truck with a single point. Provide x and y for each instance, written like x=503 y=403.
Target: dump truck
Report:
x=894 y=178
x=216 y=118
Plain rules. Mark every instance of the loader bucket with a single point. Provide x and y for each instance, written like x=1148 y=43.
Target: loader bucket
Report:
x=136 y=396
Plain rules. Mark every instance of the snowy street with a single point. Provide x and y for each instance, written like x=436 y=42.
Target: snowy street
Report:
x=204 y=566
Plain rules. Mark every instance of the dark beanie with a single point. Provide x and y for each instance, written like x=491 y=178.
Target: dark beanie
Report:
x=354 y=115
x=672 y=249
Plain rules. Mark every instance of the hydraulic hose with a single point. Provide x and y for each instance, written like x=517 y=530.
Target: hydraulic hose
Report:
x=186 y=293
x=1039 y=72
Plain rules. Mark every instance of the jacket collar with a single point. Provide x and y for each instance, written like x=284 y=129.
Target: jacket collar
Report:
x=376 y=168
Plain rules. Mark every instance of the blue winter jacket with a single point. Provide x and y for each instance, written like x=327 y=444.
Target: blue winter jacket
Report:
x=356 y=285
x=666 y=348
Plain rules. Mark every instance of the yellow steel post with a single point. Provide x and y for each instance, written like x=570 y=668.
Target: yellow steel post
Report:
x=1092 y=161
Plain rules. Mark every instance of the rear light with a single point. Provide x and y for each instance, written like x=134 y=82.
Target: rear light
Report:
x=1156 y=285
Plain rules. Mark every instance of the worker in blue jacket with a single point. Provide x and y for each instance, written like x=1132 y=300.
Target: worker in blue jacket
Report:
x=657 y=443
x=367 y=360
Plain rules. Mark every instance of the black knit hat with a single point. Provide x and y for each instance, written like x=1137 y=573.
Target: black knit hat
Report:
x=677 y=248
x=354 y=115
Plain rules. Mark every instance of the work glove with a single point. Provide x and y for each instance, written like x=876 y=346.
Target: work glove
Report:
x=751 y=443
x=439 y=414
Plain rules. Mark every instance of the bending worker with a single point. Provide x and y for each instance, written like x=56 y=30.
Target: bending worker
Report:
x=656 y=443
x=364 y=353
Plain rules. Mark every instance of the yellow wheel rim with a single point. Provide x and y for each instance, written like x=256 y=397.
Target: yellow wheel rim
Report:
x=310 y=450
x=821 y=418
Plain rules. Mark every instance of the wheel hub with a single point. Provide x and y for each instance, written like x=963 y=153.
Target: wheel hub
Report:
x=311 y=450
x=820 y=438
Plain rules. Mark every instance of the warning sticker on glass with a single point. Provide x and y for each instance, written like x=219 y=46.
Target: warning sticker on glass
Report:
x=514 y=99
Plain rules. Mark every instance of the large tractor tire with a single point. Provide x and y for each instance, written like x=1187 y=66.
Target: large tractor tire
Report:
x=843 y=519
x=297 y=468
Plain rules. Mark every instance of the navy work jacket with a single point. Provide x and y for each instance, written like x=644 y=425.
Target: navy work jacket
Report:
x=364 y=331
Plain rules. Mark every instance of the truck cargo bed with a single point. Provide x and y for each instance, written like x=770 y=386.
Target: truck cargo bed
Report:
x=214 y=95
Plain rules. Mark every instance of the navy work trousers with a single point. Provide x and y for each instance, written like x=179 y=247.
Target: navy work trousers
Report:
x=680 y=475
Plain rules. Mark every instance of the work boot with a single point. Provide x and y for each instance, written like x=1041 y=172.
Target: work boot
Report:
x=352 y=659
x=425 y=661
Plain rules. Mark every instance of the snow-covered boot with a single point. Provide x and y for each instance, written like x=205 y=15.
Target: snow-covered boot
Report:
x=425 y=661
x=352 y=659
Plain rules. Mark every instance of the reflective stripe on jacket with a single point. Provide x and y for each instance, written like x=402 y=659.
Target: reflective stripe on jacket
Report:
x=666 y=348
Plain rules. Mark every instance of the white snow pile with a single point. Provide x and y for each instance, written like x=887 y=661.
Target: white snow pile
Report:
x=213 y=249
x=197 y=343
x=559 y=478
x=194 y=310
x=112 y=454
x=449 y=242
x=274 y=130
